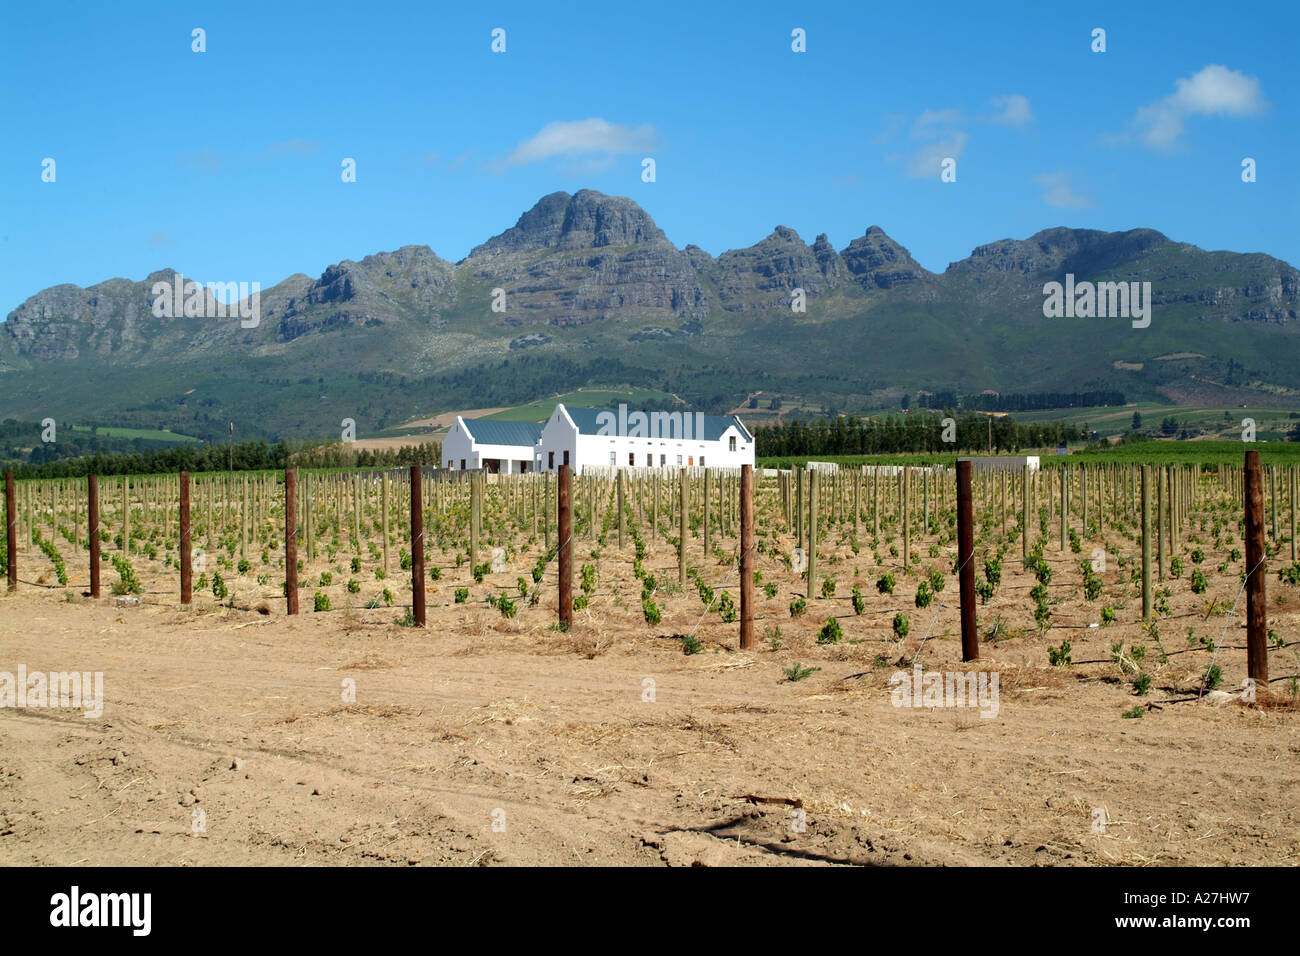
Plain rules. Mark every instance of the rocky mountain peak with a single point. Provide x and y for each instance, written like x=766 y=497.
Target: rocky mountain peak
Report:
x=878 y=261
x=1061 y=249
x=585 y=220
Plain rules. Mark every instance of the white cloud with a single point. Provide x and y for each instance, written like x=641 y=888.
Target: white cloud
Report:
x=943 y=129
x=931 y=118
x=945 y=140
x=926 y=160
x=1058 y=192
x=1212 y=91
x=1013 y=110
x=590 y=137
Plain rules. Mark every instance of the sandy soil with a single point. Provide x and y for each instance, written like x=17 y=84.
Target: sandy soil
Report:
x=240 y=715
x=232 y=733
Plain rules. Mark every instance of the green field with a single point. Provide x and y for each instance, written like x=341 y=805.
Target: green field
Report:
x=1218 y=421
x=148 y=434
x=1148 y=452
x=634 y=398
x=1189 y=453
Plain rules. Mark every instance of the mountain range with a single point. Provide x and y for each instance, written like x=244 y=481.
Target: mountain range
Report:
x=586 y=289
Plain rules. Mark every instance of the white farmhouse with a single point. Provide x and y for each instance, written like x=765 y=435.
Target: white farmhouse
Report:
x=497 y=447
x=604 y=438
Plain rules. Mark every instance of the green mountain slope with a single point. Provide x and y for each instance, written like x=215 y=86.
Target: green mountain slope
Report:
x=586 y=289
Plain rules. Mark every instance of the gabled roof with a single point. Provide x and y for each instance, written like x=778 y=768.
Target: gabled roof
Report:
x=714 y=425
x=491 y=431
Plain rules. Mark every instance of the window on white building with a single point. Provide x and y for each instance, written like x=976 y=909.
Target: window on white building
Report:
x=732 y=443
x=613 y=458
x=679 y=461
x=701 y=461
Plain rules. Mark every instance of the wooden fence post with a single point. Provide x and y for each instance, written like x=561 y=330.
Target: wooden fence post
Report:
x=417 y=546
x=475 y=509
x=1064 y=468
x=187 y=572
x=92 y=530
x=970 y=646
x=904 y=509
x=11 y=531
x=564 y=535
x=925 y=499
x=875 y=501
x=1291 y=502
x=1160 y=522
x=746 y=556
x=622 y=514
x=1146 y=543
x=1002 y=481
x=798 y=503
x=682 y=528
x=1256 y=570
x=1024 y=506
x=291 y=539
x=813 y=488
x=308 y=526
x=706 y=516
x=126 y=516
x=857 y=503
x=384 y=506
x=1272 y=490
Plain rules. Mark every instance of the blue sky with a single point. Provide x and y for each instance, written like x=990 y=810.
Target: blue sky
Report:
x=226 y=164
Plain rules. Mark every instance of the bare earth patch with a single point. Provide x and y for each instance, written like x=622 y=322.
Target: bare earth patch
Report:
x=555 y=739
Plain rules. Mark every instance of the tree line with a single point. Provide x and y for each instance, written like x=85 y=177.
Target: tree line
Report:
x=246 y=456
x=915 y=432
x=1022 y=401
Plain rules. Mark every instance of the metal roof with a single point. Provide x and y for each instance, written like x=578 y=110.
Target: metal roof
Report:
x=491 y=431
x=714 y=425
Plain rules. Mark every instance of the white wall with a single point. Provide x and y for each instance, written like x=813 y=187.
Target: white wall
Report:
x=459 y=445
x=672 y=453
x=560 y=434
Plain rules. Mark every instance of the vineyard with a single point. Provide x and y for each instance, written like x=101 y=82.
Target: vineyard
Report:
x=1120 y=582
x=1056 y=552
